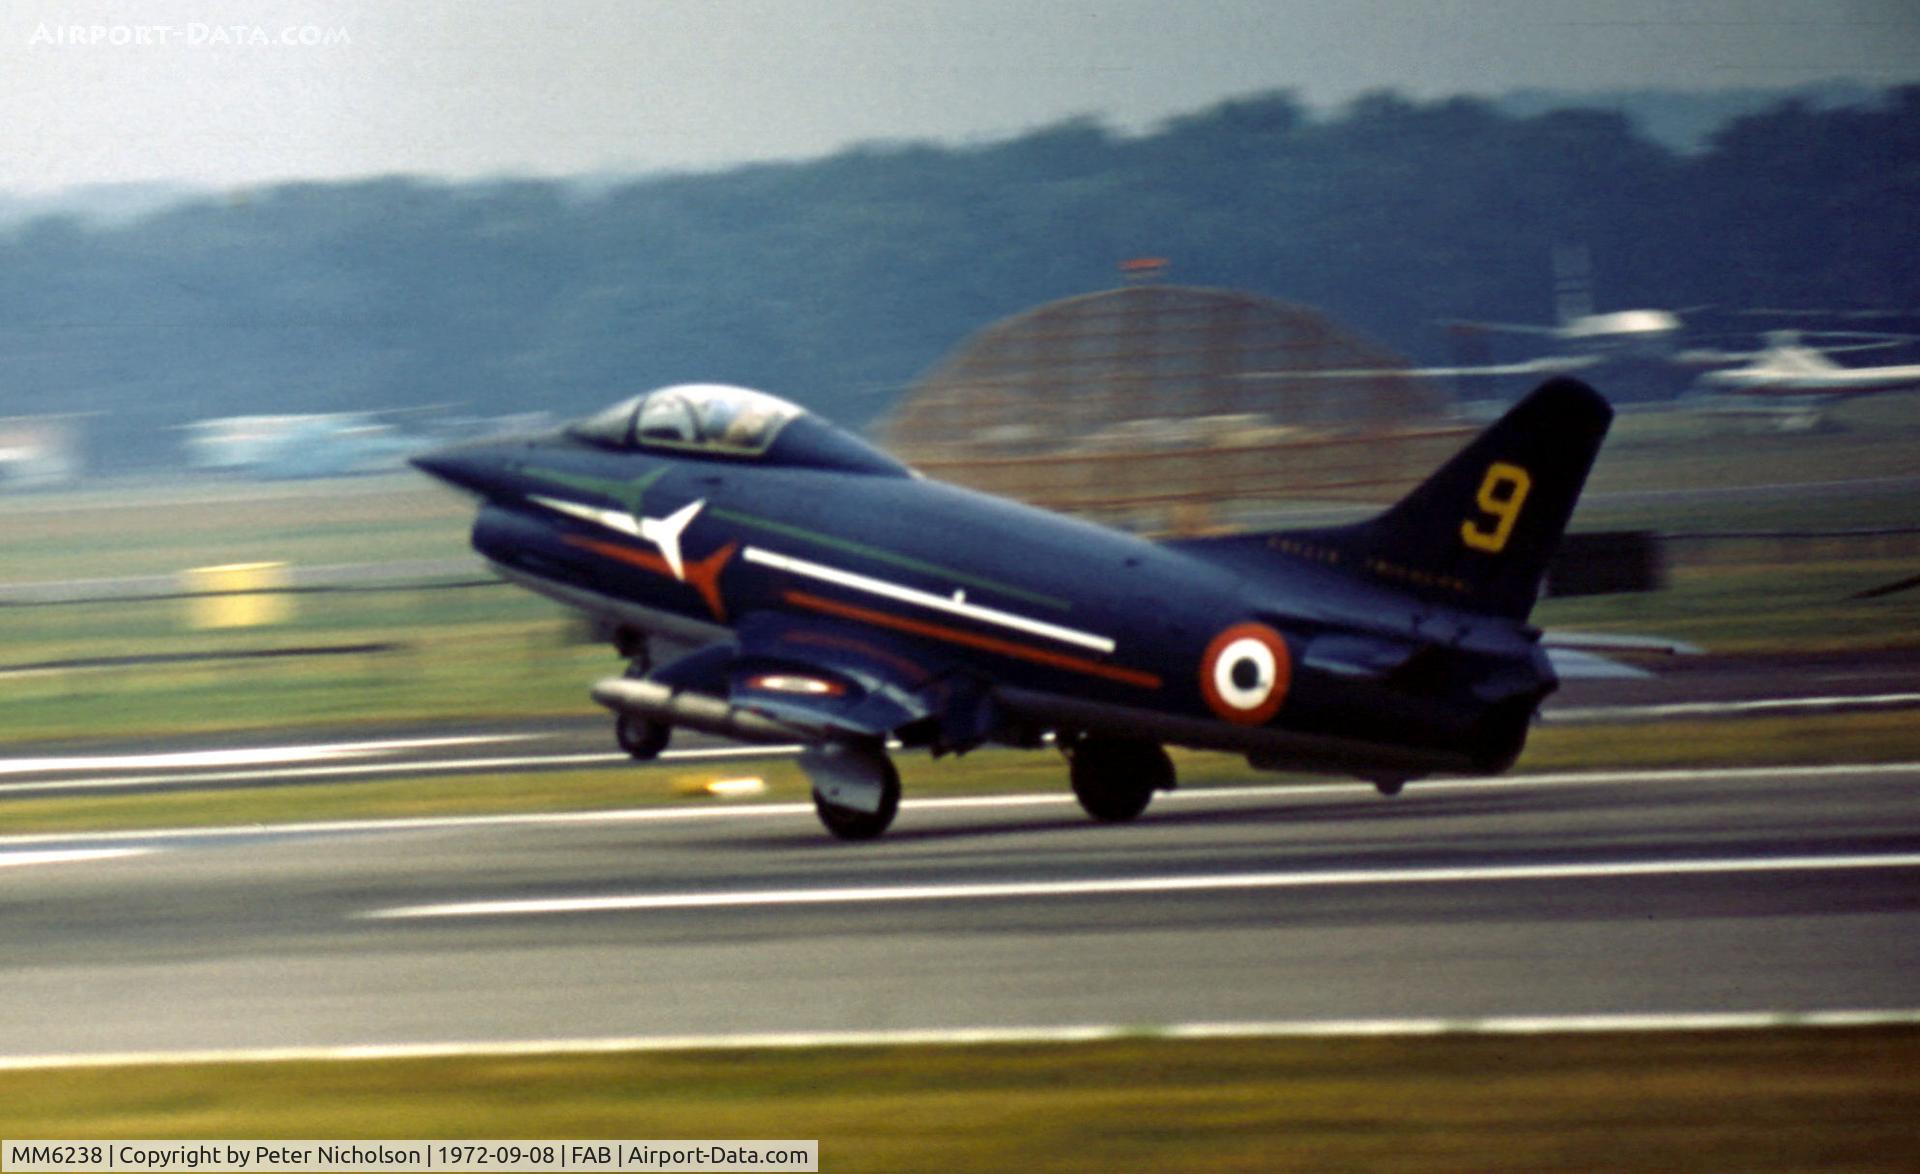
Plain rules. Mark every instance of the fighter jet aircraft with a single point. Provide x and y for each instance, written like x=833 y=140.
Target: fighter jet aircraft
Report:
x=834 y=597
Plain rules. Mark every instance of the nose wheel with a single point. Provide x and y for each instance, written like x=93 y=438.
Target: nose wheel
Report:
x=642 y=739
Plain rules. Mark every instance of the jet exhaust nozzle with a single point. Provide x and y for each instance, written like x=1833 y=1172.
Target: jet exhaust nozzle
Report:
x=695 y=711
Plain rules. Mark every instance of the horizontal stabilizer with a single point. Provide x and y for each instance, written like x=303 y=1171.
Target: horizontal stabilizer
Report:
x=1572 y=665
x=1610 y=642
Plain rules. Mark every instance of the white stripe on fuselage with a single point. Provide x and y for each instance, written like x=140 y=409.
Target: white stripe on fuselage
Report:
x=611 y=519
x=664 y=533
x=955 y=604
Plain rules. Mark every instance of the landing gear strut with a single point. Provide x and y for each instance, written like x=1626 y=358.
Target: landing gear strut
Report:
x=856 y=789
x=1115 y=778
x=639 y=737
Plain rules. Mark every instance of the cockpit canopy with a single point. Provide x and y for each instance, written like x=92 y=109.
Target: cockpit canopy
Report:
x=710 y=417
x=721 y=420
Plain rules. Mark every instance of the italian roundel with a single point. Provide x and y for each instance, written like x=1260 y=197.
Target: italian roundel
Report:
x=1245 y=673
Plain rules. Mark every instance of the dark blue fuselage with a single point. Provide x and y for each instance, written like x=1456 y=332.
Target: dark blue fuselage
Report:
x=1027 y=601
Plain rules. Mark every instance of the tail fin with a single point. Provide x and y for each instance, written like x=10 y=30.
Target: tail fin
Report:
x=1479 y=532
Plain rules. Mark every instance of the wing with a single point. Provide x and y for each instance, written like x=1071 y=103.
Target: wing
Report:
x=836 y=681
x=818 y=681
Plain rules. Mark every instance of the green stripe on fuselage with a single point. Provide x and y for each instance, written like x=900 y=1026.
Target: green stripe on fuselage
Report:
x=887 y=556
x=627 y=493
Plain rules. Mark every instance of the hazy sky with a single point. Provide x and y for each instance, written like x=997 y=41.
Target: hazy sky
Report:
x=219 y=92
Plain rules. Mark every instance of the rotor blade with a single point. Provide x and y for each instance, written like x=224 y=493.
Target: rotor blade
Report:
x=1508 y=327
x=1783 y=312
x=1895 y=588
x=1846 y=348
x=1707 y=357
x=1551 y=365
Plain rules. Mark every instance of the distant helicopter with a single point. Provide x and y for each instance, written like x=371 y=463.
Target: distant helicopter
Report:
x=1796 y=382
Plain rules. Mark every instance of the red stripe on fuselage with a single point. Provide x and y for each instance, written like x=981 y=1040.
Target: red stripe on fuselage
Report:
x=973 y=640
x=703 y=576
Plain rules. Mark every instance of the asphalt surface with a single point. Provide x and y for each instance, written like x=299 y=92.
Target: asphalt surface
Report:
x=1640 y=892
x=1759 y=891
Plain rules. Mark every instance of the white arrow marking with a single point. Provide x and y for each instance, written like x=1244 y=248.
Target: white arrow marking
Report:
x=662 y=532
x=665 y=534
x=611 y=519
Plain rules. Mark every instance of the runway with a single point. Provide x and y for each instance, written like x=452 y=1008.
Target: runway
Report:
x=1601 y=894
x=1689 y=687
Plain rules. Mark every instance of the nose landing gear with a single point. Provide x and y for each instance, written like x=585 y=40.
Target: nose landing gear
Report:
x=642 y=739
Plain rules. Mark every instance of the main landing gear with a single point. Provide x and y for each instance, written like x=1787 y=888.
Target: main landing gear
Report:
x=1115 y=778
x=856 y=790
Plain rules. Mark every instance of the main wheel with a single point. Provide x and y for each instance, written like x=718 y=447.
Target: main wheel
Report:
x=641 y=738
x=847 y=823
x=1115 y=778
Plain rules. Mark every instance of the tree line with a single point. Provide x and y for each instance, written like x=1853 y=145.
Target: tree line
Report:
x=837 y=281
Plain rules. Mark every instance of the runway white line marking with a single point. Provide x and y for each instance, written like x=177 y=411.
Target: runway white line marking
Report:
x=1117 y=886
x=1621 y=713
x=1306 y=792
x=1700 y=774
x=245 y=756
x=976 y=1036
x=443 y=766
x=66 y=856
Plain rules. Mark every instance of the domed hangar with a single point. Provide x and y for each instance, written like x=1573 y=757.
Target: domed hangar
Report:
x=1170 y=405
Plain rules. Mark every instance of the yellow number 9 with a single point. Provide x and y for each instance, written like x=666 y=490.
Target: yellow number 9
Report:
x=1502 y=492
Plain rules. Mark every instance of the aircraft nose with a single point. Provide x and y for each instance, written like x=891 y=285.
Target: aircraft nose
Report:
x=472 y=467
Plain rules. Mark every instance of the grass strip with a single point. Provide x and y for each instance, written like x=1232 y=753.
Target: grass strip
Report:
x=1789 y=1099
x=1775 y=741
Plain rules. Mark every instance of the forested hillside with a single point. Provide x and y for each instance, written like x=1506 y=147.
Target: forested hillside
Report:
x=837 y=281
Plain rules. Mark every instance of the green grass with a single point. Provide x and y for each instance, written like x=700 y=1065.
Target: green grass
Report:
x=1759 y=607
x=497 y=652
x=1801 y=740
x=1855 y=737
x=1672 y=449
x=1753 y=1100
x=159 y=530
